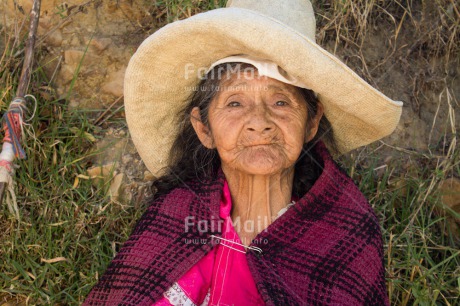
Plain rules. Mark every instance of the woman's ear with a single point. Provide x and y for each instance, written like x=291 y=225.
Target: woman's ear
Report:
x=202 y=131
x=313 y=125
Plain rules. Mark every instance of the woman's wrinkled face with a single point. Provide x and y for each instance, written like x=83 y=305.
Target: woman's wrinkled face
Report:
x=257 y=124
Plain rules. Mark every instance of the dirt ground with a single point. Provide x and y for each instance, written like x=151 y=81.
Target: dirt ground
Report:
x=415 y=60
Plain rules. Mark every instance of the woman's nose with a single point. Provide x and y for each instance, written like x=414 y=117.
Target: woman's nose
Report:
x=259 y=120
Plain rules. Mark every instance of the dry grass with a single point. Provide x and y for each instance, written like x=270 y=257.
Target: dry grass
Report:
x=418 y=45
x=416 y=33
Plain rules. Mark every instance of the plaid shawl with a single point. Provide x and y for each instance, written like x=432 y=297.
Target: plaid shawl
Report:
x=325 y=250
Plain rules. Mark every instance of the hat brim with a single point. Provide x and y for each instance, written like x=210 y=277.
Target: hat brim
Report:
x=163 y=72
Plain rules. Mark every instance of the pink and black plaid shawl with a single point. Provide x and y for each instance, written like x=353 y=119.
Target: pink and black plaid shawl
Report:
x=325 y=250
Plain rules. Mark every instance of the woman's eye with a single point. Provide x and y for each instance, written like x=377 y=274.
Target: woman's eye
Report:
x=281 y=103
x=234 y=104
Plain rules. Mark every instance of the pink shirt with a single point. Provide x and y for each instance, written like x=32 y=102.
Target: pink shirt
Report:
x=222 y=277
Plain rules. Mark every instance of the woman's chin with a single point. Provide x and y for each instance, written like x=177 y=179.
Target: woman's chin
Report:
x=262 y=164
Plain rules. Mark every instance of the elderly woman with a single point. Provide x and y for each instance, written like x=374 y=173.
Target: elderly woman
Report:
x=237 y=112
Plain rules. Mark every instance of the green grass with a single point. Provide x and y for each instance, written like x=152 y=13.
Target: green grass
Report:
x=74 y=222
x=423 y=264
x=59 y=218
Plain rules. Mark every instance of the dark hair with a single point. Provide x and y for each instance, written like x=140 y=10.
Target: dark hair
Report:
x=190 y=160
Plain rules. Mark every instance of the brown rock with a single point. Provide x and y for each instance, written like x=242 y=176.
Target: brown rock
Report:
x=54 y=38
x=44 y=24
x=100 y=44
x=101 y=174
x=116 y=186
x=110 y=149
x=114 y=86
x=74 y=58
x=449 y=191
x=66 y=74
x=106 y=174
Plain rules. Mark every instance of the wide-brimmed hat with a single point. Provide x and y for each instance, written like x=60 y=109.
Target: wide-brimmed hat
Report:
x=168 y=65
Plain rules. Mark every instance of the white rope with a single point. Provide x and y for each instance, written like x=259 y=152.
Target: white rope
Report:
x=35 y=107
x=6 y=177
x=7 y=152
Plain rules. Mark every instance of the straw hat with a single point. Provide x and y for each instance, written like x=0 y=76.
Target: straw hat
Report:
x=168 y=65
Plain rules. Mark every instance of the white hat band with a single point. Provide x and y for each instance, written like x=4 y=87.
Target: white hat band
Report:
x=264 y=67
